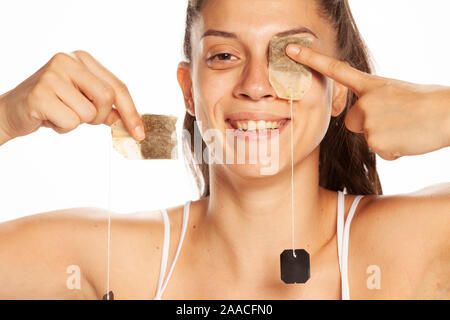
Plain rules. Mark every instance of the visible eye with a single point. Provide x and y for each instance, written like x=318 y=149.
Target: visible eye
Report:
x=221 y=61
x=221 y=57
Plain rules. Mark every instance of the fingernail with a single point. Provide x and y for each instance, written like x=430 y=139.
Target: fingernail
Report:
x=139 y=133
x=293 y=50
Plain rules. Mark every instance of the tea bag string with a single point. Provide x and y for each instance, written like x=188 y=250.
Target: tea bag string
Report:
x=108 y=205
x=292 y=175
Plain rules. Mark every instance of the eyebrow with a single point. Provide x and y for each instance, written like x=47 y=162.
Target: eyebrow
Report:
x=218 y=33
x=295 y=31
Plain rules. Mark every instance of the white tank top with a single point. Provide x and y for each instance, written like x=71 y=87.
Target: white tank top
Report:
x=343 y=233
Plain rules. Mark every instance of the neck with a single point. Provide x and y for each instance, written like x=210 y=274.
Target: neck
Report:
x=249 y=221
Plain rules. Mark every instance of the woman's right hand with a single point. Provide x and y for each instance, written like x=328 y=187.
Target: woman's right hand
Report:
x=69 y=90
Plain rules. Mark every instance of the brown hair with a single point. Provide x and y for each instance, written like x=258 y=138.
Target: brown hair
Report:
x=345 y=160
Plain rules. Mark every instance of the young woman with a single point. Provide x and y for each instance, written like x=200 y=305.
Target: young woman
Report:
x=227 y=244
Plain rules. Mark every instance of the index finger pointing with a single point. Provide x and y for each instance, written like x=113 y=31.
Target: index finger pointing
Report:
x=335 y=69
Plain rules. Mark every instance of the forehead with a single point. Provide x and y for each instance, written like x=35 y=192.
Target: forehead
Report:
x=258 y=19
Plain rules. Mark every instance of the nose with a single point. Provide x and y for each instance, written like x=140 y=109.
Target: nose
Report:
x=254 y=84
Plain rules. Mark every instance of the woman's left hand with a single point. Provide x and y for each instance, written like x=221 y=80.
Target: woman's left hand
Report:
x=397 y=118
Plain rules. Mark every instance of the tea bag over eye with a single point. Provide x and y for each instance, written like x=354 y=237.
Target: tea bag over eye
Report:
x=160 y=138
x=285 y=74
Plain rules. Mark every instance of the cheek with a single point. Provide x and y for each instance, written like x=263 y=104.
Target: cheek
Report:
x=209 y=92
x=313 y=113
x=321 y=90
x=316 y=105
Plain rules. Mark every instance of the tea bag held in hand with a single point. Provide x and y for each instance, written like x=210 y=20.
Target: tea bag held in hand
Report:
x=285 y=74
x=160 y=138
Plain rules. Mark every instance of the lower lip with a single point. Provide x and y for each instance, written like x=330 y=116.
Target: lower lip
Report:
x=256 y=135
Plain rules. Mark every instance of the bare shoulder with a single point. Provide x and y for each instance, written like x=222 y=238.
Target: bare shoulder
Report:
x=136 y=245
x=40 y=253
x=424 y=213
x=408 y=237
x=63 y=254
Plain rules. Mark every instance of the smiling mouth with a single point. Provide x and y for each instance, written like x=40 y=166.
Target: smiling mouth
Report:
x=256 y=125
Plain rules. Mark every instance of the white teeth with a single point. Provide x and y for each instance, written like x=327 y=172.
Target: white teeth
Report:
x=261 y=125
x=257 y=125
x=251 y=125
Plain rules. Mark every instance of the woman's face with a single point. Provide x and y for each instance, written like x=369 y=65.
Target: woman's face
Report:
x=230 y=75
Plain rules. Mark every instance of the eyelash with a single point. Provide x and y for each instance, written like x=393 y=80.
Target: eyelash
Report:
x=220 y=54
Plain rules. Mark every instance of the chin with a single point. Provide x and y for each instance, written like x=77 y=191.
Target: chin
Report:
x=257 y=171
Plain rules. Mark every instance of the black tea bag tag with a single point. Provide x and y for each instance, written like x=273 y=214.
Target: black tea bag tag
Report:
x=110 y=296
x=294 y=269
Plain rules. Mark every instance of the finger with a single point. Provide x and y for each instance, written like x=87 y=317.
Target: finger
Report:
x=340 y=71
x=94 y=89
x=354 y=120
x=112 y=117
x=78 y=102
x=59 y=116
x=97 y=91
x=122 y=99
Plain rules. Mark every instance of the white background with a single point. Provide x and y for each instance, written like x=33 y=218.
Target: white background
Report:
x=141 y=42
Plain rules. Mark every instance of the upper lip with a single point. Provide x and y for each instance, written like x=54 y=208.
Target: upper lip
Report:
x=254 y=116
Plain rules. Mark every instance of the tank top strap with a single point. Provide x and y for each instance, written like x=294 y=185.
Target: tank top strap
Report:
x=166 y=244
x=343 y=237
x=340 y=225
x=165 y=252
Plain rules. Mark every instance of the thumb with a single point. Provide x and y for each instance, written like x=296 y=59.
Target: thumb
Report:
x=354 y=120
